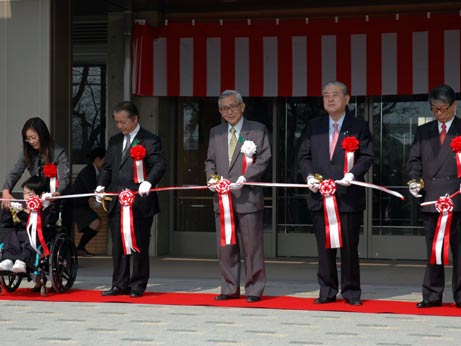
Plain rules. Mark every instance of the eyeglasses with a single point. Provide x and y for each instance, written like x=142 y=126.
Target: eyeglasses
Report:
x=442 y=109
x=31 y=139
x=231 y=108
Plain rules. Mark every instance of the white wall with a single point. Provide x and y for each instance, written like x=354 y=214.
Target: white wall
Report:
x=24 y=72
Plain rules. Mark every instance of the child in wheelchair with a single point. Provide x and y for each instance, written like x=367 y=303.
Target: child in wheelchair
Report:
x=17 y=251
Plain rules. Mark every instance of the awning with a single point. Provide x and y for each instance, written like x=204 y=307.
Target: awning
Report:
x=392 y=55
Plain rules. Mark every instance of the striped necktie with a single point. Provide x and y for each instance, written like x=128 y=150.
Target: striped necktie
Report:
x=232 y=144
x=127 y=146
x=334 y=139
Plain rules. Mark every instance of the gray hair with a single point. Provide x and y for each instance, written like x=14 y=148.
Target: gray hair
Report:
x=444 y=93
x=336 y=83
x=227 y=93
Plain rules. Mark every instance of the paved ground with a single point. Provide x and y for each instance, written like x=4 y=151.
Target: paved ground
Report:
x=44 y=323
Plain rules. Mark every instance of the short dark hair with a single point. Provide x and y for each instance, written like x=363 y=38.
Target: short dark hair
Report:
x=97 y=152
x=128 y=107
x=444 y=93
x=36 y=183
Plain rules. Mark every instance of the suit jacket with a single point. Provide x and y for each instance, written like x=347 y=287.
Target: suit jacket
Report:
x=248 y=199
x=84 y=183
x=435 y=163
x=314 y=158
x=117 y=174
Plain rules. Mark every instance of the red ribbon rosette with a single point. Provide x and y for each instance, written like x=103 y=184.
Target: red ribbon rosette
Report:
x=327 y=187
x=126 y=199
x=223 y=186
x=34 y=224
x=456 y=147
x=333 y=239
x=138 y=153
x=441 y=241
x=50 y=171
x=226 y=213
x=350 y=144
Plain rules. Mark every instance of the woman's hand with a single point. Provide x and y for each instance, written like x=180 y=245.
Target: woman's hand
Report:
x=6 y=195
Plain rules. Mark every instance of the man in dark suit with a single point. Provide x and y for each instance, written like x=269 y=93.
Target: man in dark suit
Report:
x=321 y=154
x=86 y=219
x=117 y=174
x=432 y=171
x=226 y=159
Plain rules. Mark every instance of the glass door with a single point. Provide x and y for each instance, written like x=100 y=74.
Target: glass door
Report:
x=396 y=230
x=195 y=226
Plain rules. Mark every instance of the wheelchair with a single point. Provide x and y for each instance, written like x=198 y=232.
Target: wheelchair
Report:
x=61 y=265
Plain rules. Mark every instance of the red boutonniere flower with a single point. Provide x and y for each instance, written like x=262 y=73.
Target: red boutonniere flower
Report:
x=456 y=144
x=456 y=147
x=350 y=144
x=50 y=170
x=138 y=152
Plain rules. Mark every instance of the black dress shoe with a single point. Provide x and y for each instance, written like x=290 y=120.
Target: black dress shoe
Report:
x=458 y=304
x=225 y=297
x=253 y=299
x=426 y=303
x=136 y=294
x=354 y=301
x=114 y=291
x=324 y=300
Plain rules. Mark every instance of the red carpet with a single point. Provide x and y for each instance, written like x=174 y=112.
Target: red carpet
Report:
x=268 y=302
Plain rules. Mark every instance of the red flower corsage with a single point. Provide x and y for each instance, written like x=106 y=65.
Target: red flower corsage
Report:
x=456 y=144
x=456 y=147
x=350 y=144
x=50 y=170
x=138 y=152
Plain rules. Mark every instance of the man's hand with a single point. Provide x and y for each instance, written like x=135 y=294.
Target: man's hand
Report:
x=347 y=179
x=100 y=196
x=144 y=188
x=211 y=184
x=414 y=189
x=238 y=184
x=313 y=184
x=46 y=199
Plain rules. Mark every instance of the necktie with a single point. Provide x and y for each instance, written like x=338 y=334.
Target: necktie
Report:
x=334 y=139
x=232 y=144
x=443 y=133
x=127 y=146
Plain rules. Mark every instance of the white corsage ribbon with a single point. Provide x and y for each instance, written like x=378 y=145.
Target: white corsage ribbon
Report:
x=34 y=225
x=333 y=239
x=441 y=241
x=226 y=213
x=126 y=199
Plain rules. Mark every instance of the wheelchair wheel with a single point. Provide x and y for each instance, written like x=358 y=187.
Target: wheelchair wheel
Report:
x=10 y=282
x=63 y=263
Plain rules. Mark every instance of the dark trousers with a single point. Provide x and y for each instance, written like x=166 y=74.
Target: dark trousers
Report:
x=327 y=275
x=250 y=228
x=139 y=277
x=16 y=246
x=434 y=277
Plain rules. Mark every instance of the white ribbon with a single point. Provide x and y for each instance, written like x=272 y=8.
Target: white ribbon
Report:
x=331 y=214
x=31 y=229
x=247 y=161
x=138 y=171
x=349 y=161
x=127 y=228
x=53 y=184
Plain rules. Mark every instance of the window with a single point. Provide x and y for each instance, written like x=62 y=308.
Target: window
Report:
x=89 y=110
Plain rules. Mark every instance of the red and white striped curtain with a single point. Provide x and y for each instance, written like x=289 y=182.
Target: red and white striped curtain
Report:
x=390 y=55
